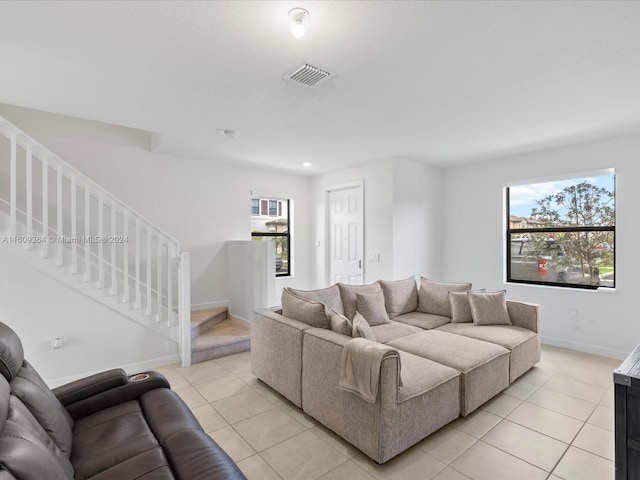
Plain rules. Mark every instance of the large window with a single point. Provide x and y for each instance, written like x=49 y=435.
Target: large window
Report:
x=562 y=233
x=270 y=221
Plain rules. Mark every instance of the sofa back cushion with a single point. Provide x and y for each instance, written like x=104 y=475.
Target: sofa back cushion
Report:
x=330 y=297
x=489 y=308
x=371 y=306
x=26 y=451
x=433 y=297
x=305 y=311
x=348 y=296
x=30 y=389
x=400 y=296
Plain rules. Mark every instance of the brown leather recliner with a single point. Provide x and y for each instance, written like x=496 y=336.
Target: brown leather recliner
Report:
x=106 y=426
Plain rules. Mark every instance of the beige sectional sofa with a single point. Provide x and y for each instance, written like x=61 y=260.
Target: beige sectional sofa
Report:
x=432 y=353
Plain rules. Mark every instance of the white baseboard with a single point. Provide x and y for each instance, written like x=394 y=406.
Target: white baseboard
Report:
x=129 y=368
x=206 y=305
x=236 y=317
x=584 y=347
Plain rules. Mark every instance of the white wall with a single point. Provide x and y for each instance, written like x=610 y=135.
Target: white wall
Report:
x=39 y=308
x=474 y=237
x=402 y=220
x=202 y=204
x=251 y=279
x=417 y=220
x=378 y=207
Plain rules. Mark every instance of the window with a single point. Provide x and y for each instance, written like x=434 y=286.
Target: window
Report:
x=562 y=233
x=273 y=208
x=271 y=223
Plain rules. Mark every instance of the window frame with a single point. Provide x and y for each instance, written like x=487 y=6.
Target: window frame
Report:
x=553 y=230
x=287 y=234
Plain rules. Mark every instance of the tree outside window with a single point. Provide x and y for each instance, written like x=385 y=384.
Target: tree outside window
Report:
x=562 y=233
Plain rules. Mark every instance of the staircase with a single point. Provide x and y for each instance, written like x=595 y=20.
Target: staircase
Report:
x=214 y=334
x=60 y=222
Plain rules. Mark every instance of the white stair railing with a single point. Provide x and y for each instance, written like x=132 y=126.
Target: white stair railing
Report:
x=92 y=236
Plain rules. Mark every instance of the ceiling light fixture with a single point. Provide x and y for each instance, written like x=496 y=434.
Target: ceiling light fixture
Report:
x=297 y=15
x=307 y=164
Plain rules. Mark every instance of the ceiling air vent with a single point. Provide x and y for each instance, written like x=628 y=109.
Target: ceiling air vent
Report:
x=309 y=75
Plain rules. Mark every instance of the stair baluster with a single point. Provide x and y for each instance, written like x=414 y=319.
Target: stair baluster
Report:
x=159 y=264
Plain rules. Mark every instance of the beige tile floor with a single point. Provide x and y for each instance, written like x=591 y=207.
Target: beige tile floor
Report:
x=554 y=422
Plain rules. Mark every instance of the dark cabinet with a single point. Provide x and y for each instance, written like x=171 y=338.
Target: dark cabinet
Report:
x=627 y=417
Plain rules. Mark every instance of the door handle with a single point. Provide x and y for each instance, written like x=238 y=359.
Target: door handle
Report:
x=360 y=264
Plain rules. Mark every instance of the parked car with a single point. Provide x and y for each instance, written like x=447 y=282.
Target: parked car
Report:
x=538 y=262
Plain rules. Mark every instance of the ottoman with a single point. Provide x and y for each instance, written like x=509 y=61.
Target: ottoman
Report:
x=483 y=366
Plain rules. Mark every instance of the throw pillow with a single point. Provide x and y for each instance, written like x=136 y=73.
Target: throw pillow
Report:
x=371 y=306
x=489 y=308
x=460 y=308
x=433 y=297
x=361 y=328
x=340 y=323
x=330 y=297
x=400 y=296
x=348 y=296
x=305 y=311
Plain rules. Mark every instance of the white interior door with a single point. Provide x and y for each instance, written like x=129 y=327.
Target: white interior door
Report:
x=346 y=238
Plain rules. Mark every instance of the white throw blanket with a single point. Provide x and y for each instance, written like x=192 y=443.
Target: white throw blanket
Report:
x=360 y=367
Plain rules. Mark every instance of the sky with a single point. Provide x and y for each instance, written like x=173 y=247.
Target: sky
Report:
x=523 y=197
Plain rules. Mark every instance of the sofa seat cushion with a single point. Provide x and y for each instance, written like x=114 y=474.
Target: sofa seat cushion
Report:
x=151 y=464
x=110 y=437
x=421 y=375
x=484 y=367
x=134 y=438
x=390 y=331
x=523 y=343
x=426 y=321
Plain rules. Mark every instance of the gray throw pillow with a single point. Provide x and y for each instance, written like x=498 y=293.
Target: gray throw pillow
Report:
x=460 y=308
x=400 y=296
x=361 y=328
x=305 y=311
x=348 y=296
x=371 y=306
x=489 y=308
x=433 y=297
x=330 y=297
x=340 y=323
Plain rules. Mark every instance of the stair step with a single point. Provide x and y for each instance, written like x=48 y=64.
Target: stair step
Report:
x=203 y=320
x=226 y=338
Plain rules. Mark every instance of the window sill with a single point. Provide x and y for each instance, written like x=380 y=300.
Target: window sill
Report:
x=601 y=290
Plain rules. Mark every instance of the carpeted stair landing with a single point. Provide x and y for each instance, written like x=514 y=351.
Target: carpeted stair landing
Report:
x=214 y=334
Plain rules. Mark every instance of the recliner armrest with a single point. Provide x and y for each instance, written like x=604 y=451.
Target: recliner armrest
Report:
x=91 y=385
x=136 y=386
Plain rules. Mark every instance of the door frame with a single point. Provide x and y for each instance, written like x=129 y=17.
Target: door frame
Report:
x=359 y=184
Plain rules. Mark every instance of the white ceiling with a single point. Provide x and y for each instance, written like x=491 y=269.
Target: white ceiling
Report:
x=440 y=82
